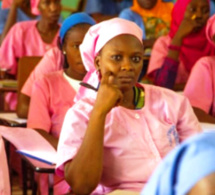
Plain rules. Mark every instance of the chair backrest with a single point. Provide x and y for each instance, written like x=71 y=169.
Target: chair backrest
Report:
x=25 y=66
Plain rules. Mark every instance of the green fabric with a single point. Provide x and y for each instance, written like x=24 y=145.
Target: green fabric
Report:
x=139 y=97
x=68 y=3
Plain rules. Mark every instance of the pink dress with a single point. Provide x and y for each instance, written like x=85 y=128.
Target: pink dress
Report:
x=4 y=173
x=159 y=53
x=48 y=107
x=135 y=140
x=51 y=61
x=53 y=96
x=22 y=40
x=200 y=87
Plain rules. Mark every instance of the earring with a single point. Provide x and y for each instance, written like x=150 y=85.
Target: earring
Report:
x=64 y=52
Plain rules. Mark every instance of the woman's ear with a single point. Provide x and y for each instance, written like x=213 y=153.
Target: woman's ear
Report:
x=97 y=62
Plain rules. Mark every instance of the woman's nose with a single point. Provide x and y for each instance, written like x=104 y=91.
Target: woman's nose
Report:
x=127 y=65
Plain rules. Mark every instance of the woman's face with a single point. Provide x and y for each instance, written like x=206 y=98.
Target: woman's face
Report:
x=72 y=41
x=200 y=9
x=50 y=10
x=123 y=57
x=147 y=4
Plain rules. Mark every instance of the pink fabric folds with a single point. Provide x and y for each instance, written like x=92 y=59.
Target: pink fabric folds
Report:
x=210 y=29
x=99 y=34
x=6 y=3
x=34 y=7
x=194 y=45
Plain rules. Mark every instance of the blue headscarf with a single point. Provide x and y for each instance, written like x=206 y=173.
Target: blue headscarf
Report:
x=184 y=167
x=77 y=18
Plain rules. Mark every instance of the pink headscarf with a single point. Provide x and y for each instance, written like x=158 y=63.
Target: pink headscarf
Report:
x=210 y=29
x=6 y=4
x=34 y=7
x=96 y=38
x=194 y=46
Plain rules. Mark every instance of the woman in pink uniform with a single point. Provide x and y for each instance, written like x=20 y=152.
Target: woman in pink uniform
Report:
x=114 y=139
x=53 y=94
x=174 y=55
x=200 y=87
x=51 y=61
x=31 y=38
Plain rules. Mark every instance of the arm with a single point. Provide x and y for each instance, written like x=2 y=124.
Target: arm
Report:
x=91 y=149
x=203 y=116
x=166 y=75
x=22 y=105
x=11 y=20
x=39 y=116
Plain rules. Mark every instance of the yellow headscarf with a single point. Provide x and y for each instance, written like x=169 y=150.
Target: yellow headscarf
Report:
x=161 y=10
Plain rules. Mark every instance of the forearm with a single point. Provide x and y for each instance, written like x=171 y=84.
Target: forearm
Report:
x=23 y=105
x=84 y=172
x=203 y=116
x=11 y=20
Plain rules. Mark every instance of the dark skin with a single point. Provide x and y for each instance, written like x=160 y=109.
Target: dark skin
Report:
x=47 y=27
x=76 y=70
x=120 y=63
x=203 y=116
x=24 y=5
x=205 y=186
x=48 y=24
x=196 y=16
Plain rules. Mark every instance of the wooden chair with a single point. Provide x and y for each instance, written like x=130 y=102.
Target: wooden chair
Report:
x=25 y=66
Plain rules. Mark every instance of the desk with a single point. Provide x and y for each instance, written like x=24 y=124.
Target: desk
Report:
x=10 y=119
x=36 y=167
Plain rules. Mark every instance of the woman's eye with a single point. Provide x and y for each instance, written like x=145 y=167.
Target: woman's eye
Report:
x=117 y=57
x=136 y=59
x=192 y=9
x=75 y=46
x=205 y=10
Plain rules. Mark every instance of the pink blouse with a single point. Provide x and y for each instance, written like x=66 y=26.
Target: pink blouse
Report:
x=53 y=96
x=135 y=141
x=158 y=55
x=200 y=87
x=23 y=39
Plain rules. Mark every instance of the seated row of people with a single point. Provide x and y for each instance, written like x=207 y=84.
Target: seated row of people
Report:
x=113 y=56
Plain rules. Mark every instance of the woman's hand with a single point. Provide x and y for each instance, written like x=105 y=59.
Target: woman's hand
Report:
x=109 y=95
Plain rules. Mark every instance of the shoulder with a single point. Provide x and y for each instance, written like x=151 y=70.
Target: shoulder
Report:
x=24 y=26
x=160 y=94
x=49 y=78
x=128 y=13
x=205 y=62
x=53 y=52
